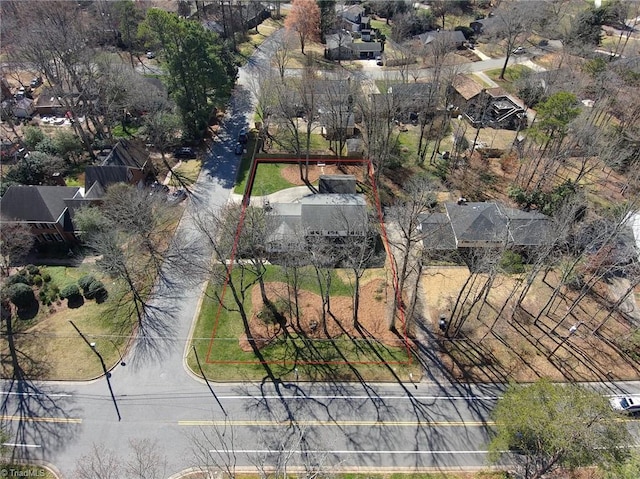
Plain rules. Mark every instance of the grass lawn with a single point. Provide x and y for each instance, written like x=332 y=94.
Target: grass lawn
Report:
x=382 y=26
x=284 y=355
x=269 y=180
x=188 y=171
x=58 y=350
x=511 y=74
x=119 y=132
x=265 y=29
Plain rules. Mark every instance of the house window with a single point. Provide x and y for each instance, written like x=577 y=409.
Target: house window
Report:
x=47 y=237
x=58 y=237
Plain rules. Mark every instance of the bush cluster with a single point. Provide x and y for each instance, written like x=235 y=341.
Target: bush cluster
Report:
x=91 y=287
x=69 y=291
x=20 y=294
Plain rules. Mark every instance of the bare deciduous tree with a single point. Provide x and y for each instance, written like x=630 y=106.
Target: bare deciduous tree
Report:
x=512 y=23
x=16 y=241
x=145 y=462
x=404 y=217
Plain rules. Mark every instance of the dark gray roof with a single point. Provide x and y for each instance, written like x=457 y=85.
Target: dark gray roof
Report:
x=446 y=37
x=477 y=222
x=42 y=204
x=354 y=145
x=127 y=153
x=527 y=228
x=365 y=47
x=105 y=175
x=436 y=232
x=345 y=184
x=333 y=212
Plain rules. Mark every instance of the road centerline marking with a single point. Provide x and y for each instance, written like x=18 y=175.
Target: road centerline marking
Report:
x=69 y=420
x=329 y=423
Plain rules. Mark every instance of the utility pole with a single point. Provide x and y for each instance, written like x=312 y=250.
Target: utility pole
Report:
x=107 y=374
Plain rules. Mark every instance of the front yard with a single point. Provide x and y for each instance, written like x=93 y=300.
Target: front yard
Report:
x=48 y=347
x=302 y=346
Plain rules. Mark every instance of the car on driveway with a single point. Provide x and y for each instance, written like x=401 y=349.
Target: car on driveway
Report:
x=184 y=152
x=242 y=137
x=625 y=404
x=519 y=51
x=151 y=55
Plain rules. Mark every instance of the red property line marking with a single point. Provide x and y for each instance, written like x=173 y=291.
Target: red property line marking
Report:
x=245 y=203
x=394 y=275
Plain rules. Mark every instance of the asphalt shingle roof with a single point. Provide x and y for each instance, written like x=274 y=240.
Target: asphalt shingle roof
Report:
x=35 y=203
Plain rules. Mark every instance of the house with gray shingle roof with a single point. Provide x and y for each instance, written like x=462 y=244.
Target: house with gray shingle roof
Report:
x=322 y=215
x=447 y=39
x=43 y=208
x=127 y=162
x=482 y=225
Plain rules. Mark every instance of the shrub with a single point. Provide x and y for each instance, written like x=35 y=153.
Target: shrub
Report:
x=32 y=269
x=37 y=280
x=17 y=278
x=511 y=263
x=69 y=291
x=95 y=290
x=466 y=31
x=46 y=277
x=32 y=136
x=21 y=295
x=85 y=281
x=48 y=294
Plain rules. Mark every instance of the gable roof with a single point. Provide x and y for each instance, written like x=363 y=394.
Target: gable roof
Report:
x=443 y=37
x=437 y=232
x=351 y=12
x=411 y=91
x=466 y=86
x=363 y=47
x=126 y=153
x=35 y=204
x=105 y=176
x=477 y=222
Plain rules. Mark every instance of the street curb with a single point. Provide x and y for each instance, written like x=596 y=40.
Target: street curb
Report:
x=189 y=343
x=186 y=473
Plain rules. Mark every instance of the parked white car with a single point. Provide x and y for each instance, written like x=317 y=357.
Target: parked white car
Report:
x=625 y=404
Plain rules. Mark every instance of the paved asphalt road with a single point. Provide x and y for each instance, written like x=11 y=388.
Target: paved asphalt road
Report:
x=434 y=424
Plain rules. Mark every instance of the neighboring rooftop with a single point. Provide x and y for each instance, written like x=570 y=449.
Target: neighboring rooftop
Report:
x=466 y=86
x=35 y=204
